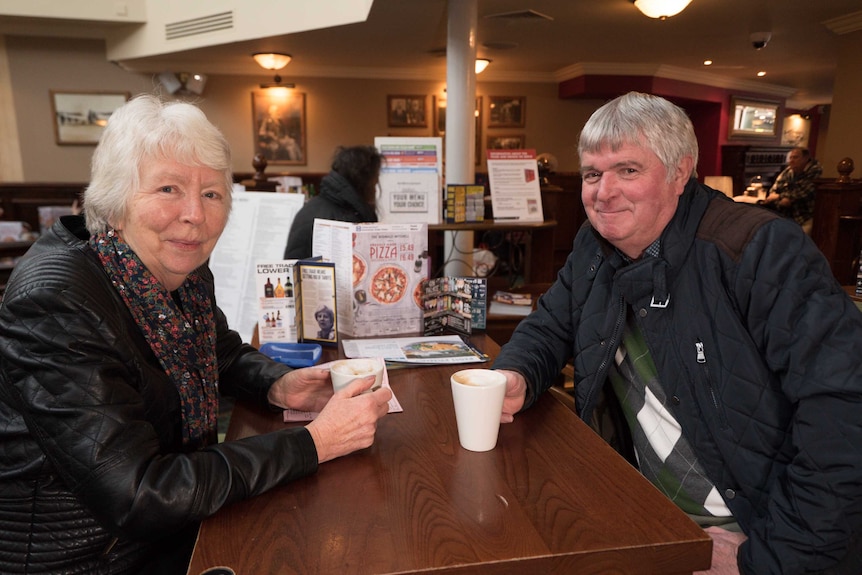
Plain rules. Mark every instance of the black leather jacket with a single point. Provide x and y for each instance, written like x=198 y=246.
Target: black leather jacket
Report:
x=93 y=477
x=758 y=349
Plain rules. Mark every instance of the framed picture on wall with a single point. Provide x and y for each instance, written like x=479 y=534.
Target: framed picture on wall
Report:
x=440 y=122
x=407 y=112
x=508 y=142
x=507 y=111
x=279 y=126
x=81 y=117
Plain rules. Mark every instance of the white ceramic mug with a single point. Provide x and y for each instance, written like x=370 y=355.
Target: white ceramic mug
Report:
x=344 y=371
x=478 y=397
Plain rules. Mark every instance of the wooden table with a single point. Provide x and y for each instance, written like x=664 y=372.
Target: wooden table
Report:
x=552 y=497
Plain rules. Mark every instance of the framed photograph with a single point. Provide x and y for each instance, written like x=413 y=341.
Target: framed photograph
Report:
x=752 y=118
x=795 y=131
x=507 y=111
x=81 y=117
x=279 y=126
x=509 y=142
x=440 y=123
x=407 y=112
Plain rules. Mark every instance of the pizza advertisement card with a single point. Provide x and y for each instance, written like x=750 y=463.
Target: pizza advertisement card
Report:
x=454 y=303
x=276 y=319
x=380 y=270
x=316 y=304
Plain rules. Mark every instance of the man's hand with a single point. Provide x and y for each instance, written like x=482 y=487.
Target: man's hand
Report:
x=516 y=393
x=724 y=546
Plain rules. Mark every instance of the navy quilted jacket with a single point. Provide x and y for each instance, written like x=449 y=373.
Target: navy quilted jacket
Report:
x=773 y=410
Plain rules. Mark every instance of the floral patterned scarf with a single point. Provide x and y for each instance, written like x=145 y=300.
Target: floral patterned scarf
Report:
x=182 y=336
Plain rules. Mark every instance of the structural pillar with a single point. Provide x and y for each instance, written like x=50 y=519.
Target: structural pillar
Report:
x=460 y=122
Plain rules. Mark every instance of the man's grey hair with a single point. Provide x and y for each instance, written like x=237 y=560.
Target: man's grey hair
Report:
x=642 y=120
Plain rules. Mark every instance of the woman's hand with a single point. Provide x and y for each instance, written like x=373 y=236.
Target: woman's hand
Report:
x=306 y=389
x=516 y=394
x=349 y=421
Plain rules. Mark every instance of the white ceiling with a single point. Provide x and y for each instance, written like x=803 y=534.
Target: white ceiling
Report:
x=407 y=38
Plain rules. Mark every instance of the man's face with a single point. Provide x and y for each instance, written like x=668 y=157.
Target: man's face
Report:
x=627 y=196
x=796 y=161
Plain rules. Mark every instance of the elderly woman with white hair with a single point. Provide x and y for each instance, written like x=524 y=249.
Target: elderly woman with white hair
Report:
x=113 y=355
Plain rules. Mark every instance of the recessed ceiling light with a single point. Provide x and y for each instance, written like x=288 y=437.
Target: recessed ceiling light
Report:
x=707 y=62
x=761 y=74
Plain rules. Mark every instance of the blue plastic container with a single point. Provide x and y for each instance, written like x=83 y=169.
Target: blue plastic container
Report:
x=293 y=354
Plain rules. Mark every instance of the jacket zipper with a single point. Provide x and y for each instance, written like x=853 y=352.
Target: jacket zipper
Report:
x=701 y=360
x=603 y=367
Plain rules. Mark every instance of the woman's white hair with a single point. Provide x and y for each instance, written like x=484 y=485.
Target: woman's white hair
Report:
x=643 y=120
x=146 y=129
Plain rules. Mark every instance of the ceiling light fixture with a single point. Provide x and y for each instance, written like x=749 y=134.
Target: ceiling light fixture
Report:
x=661 y=9
x=481 y=64
x=273 y=61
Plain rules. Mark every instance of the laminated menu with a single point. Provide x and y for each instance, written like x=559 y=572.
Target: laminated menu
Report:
x=380 y=270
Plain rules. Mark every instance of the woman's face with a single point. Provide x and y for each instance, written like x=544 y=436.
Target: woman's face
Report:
x=174 y=220
x=324 y=320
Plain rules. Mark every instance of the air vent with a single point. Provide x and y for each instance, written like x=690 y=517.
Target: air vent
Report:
x=521 y=15
x=196 y=26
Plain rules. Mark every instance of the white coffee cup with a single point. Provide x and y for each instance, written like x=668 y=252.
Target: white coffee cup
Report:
x=478 y=396
x=344 y=371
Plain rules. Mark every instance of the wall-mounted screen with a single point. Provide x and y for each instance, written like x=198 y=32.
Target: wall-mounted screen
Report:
x=753 y=118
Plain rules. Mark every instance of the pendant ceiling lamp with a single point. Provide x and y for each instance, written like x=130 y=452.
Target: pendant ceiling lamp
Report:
x=661 y=9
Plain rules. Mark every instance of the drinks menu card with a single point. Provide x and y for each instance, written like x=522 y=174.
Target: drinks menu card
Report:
x=276 y=301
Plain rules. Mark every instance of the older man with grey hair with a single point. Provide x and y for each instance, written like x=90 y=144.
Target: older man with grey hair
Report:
x=718 y=334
